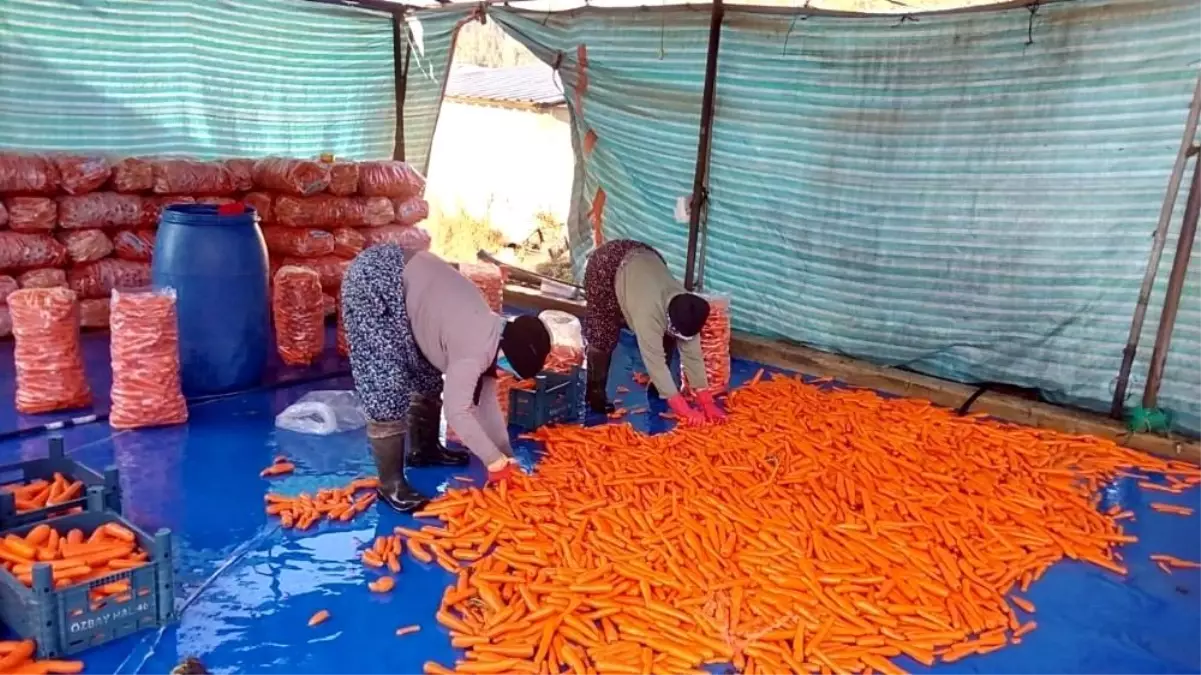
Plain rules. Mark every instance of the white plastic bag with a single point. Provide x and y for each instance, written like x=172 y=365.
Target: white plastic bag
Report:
x=323 y=413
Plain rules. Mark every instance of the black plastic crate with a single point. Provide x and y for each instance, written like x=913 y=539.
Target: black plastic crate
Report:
x=555 y=399
x=56 y=462
x=68 y=620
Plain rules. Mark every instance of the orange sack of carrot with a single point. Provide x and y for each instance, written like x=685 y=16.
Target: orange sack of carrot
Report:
x=814 y=532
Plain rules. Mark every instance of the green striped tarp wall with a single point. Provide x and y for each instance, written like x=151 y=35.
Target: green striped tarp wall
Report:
x=969 y=194
x=430 y=38
x=199 y=77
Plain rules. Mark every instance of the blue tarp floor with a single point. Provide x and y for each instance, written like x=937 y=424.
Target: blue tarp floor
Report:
x=246 y=588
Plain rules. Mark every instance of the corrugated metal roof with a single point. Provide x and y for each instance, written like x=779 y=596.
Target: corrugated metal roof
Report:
x=535 y=85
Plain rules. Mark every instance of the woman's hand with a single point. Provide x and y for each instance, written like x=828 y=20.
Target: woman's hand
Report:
x=708 y=406
x=684 y=412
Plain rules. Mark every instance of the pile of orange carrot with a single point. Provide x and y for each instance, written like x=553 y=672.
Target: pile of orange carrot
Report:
x=304 y=510
x=75 y=557
x=40 y=493
x=814 y=532
x=19 y=657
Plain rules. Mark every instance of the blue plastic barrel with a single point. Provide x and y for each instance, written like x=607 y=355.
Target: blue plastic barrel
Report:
x=217 y=264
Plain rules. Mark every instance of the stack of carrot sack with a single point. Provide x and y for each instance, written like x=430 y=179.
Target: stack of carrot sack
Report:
x=88 y=222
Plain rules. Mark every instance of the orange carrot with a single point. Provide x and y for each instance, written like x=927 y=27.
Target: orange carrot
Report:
x=627 y=553
x=382 y=585
x=407 y=630
x=319 y=617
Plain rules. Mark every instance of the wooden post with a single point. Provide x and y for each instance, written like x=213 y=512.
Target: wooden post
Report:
x=1171 y=301
x=1157 y=244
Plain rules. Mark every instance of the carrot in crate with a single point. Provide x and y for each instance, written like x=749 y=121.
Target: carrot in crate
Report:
x=108 y=549
x=743 y=543
x=40 y=493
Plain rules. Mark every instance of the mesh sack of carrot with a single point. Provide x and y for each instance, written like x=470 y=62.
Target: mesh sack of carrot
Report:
x=75 y=557
x=411 y=211
x=395 y=179
x=32 y=214
x=241 y=172
x=299 y=314
x=135 y=245
x=745 y=543
x=86 y=245
x=405 y=236
x=488 y=279
x=47 y=277
x=27 y=174
x=40 y=493
x=94 y=313
x=299 y=177
x=330 y=268
x=145 y=357
x=191 y=177
x=106 y=209
x=343 y=178
x=7 y=286
x=348 y=242
x=341 y=344
x=80 y=174
x=133 y=174
x=261 y=203
x=715 y=344
x=299 y=242
x=100 y=278
x=24 y=251
x=46 y=351
x=329 y=212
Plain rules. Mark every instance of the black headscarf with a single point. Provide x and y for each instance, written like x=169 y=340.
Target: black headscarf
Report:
x=525 y=342
x=687 y=313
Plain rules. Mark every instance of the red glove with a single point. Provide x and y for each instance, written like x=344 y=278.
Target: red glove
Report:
x=709 y=407
x=684 y=412
x=505 y=475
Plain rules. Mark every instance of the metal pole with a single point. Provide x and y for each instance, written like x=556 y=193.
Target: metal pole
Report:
x=1171 y=302
x=1157 y=244
x=700 y=190
x=400 y=73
